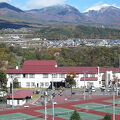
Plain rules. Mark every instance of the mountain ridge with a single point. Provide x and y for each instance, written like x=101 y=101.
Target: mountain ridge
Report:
x=63 y=14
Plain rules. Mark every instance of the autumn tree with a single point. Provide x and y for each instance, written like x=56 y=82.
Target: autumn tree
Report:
x=70 y=80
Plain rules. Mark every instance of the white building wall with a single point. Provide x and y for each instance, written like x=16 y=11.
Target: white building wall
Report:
x=39 y=81
x=16 y=102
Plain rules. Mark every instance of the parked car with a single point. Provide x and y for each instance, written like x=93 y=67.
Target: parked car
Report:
x=102 y=87
x=86 y=90
x=93 y=89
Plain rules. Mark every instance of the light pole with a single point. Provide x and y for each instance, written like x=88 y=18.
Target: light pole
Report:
x=117 y=81
x=84 y=83
x=45 y=95
x=12 y=78
x=12 y=96
x=52 y=82
x=53 y=95
x=113 y=104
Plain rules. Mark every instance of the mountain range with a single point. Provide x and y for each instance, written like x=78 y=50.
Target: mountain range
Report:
x=107 y=15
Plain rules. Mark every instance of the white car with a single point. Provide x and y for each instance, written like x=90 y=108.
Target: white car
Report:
x=93 y=89
x=103 y=87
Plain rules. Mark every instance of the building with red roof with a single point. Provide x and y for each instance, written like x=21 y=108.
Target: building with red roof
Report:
x=41 y=73
x=20 y=97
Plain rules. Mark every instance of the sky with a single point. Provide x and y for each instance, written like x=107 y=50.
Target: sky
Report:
x=82 y=5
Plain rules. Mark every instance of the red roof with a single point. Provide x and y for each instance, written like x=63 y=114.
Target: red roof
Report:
x=21 y=94
x=39 y=63
x=76 y=69
x=48 y=66
x=89 y=79
x=102 y=70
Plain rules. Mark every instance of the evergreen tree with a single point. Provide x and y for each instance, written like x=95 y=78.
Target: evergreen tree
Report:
x=3 y=81
x=75 y=116
x=107 y=117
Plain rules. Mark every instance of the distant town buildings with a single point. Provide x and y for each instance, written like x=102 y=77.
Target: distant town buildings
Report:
x=19 y=39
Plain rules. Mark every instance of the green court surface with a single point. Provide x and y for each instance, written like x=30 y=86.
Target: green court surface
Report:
x=117 y=101
x=66 y=113
x=99 y=107
x=18 y=116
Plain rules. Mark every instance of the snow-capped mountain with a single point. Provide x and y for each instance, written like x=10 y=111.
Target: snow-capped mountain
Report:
x=104 y=14
x=97 y=7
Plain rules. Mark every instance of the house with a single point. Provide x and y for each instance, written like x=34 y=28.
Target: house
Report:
x=44 y=73
x=20 y=97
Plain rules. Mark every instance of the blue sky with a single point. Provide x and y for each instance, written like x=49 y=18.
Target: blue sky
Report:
x=82 y=5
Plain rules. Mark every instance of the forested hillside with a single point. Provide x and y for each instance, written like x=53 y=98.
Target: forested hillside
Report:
x=80 y=56
x=76 y=31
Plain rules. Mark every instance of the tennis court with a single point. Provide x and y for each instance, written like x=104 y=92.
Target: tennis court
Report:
x=117 y=101
x=99 y=107
x=18 y=116
x=66 y=113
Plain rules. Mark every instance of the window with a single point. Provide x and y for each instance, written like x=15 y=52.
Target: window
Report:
x=54 y=75
x=62 y=75
x=17 y=75
x=27 y=84
x=41 y=84
x=25 y=75
x=92 y=75
x=85 y=75
x=99 y=82
x=19 y=84
x=45 y=75
x=47 y=84
x=32 y=84
x=31 y=75
x=18 y=102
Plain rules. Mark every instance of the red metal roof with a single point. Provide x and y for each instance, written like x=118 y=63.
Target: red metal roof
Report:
x=76 y=69
x=21 y=94
x=48 y=66
x=102 y=70
x=39 y=62
x=89 y=79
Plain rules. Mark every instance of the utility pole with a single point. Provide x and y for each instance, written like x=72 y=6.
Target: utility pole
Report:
x=45 y=95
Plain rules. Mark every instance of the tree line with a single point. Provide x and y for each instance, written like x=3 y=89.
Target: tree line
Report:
x=78 y=56
x=75 y=31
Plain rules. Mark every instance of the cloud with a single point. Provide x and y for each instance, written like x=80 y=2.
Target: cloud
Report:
x=8 y=1
x=36 y=4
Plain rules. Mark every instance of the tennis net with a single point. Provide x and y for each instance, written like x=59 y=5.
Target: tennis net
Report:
x=64 y=113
